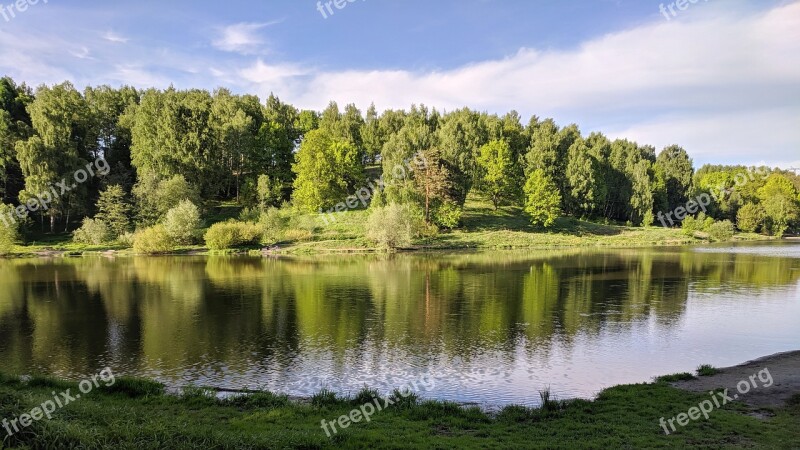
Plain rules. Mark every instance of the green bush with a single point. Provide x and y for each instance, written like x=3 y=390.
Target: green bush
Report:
x=750 y=218
x=273 y=223
x=9 y=234
x=692 y=225
x=721 y=231
x=153 y=240
x=447 y=215
x=182 y=222
x=395 y=226
x=232 y=234
x=92 y=232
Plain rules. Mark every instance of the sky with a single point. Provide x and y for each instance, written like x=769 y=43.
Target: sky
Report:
x=720 y=78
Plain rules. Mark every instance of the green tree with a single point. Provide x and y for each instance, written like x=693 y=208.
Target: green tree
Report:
x=325 y=168
x=430 y=179
x=581 y=180
x=268 y=192
x=499 y=178
x=543 y=201
x=750 y=218
x=678 y=173
x=779 y=199
x=114 y=210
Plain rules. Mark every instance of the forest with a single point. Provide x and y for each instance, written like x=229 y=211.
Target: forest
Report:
x=172 y=154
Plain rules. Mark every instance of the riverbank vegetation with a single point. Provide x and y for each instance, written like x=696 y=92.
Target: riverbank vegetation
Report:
x=415 y=178
x=137 y=414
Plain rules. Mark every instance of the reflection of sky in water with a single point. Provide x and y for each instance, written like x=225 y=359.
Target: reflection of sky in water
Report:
x=491 y=330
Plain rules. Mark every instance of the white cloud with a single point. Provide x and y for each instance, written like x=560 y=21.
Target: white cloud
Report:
x=244 y=38
x=115 y=38
x=723 y=86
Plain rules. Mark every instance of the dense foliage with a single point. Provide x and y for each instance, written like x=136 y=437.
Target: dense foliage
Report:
x=165 y=147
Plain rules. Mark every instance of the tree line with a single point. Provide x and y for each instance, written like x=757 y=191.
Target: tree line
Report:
x=169 y=146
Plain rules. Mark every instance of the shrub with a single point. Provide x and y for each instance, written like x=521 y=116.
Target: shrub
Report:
x=447 y=215
x=153 y=240
x=273 y=224
x=92 y=232
x=232 y=234
x=707 y=370
x=721 y=231
x=394 y=226
x=750 y=218
x=296 y=234
x=9 y=233
x=183 y=222
x=692 y=225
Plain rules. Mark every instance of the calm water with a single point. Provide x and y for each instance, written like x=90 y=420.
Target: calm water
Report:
x=487 y=328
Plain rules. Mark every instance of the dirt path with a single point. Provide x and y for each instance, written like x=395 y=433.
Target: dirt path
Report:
x=783 y=368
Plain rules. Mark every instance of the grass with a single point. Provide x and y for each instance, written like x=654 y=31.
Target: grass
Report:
x=482 y=228
x=137 y=415
x=707 y=370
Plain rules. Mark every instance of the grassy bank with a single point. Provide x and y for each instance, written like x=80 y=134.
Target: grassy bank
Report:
x=135 y=414
x=482 y=228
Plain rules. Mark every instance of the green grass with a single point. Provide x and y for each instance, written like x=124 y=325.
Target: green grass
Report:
x=482 y=228
x=138 y=416
x=707 y=370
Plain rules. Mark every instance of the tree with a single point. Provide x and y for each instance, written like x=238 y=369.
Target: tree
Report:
x=325 y=168
x=779 y=198
x=642 y=195
x=499 y=177
x=750 y=218
x=268 y=192
x=430 y=179
x=62 y=145
x=154 y=197
x=546 y=153
x=459 y=138
x=581 y=180
x=678 y=173
x=372 y=135
x=113 y=209
x=543 y=201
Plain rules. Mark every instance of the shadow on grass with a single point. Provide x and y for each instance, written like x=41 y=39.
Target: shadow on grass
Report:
x=515 y=219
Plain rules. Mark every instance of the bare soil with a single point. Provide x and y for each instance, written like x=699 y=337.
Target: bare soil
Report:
x=783 y=367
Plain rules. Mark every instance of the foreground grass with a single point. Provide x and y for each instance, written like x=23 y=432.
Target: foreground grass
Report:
x=134 y=414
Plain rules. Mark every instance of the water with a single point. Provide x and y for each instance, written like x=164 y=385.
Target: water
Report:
x=491 y=329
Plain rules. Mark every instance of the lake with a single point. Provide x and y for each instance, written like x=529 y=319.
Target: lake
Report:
x=489 y=328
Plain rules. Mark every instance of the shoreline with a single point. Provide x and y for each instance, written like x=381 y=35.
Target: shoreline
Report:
x=139 y=414
x=320 y=248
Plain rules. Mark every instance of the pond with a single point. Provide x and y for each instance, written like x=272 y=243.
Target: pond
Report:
x=486 y=328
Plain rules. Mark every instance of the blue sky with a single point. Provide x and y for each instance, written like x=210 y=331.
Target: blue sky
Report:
x=721 y=78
